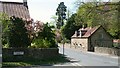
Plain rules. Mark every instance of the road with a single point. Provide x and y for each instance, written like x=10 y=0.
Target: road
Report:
x=83 y=59
x=88 y=58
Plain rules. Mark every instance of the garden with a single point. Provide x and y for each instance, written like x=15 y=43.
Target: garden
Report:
x=29 y=43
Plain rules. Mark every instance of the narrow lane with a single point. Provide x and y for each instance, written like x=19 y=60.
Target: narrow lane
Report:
x=88 y=59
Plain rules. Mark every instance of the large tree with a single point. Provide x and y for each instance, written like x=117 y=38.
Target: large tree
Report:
x=105 y=14
x=18 y=35
x=69 y=29
x=61 y=13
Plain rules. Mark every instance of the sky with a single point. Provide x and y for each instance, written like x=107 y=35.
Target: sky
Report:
x=43 y=10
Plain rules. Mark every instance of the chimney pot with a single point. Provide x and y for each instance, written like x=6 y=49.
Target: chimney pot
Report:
x=25 y=3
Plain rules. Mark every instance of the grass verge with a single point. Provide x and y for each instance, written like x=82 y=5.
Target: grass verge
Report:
x=32 y=61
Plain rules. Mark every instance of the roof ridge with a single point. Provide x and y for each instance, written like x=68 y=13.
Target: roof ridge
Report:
x=11 y=2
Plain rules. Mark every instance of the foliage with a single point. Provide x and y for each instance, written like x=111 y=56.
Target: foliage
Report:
x=116 y=45
x=4 y=22
x=41 y=43
x=105 y=14
x=17 y=35
x=6 y=46
x=61 y=14
x=33 y=27
x=69 y=29
x=53 y=20
x=58 y=35
x=45 y=38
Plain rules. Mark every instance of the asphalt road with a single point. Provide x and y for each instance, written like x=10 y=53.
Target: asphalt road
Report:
x=88 y=58
x=83 y=60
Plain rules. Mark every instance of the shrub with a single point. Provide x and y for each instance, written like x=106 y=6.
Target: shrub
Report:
x=18 y=35
x=46 y=38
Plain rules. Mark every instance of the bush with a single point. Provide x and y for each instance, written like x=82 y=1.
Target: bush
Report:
x=6 y=46
x=18 y=35
x=46 y=38
x=116 y=45
x=41 y=43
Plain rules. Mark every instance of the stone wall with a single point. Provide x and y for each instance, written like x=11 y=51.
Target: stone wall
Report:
x=111 y=51
x=81 y=43
x=40 y=53
x=101 y=38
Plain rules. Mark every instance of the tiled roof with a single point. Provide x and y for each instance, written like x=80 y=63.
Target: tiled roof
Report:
x=16 y=9
x=89 y=31
x=116 y=40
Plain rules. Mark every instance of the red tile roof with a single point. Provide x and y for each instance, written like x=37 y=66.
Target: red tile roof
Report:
x=16 y=9
x=89 y=32
x=116 y=40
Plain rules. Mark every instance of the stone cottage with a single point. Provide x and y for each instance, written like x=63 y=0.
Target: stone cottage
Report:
x=17 y=9
x=87 y=38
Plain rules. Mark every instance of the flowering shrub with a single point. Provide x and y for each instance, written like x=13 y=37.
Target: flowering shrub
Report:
x=45 y=38
x=33 y=27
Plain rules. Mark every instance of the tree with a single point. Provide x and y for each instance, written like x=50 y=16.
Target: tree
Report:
x=33 y=28
x=61 y=14
x=18 y=35
x=45 y=38
x=53 y=20
x=70 y=27
x=105 y=14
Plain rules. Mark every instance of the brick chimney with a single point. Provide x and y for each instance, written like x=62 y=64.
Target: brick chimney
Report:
x=25 y=3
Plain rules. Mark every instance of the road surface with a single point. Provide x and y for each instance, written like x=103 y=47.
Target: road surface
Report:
x=88 y=58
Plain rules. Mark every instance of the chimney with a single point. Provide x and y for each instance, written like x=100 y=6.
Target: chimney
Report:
x=78 y=33
x=25 y=3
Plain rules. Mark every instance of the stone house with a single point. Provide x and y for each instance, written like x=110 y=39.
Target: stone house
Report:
x=17 y=9
x=87 y=38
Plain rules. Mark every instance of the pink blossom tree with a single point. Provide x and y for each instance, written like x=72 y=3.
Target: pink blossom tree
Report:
x=33 y=27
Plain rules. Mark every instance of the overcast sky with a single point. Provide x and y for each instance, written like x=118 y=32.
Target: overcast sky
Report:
x=44 y=9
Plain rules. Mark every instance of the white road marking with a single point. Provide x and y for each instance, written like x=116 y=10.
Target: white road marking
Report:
x=76 y=64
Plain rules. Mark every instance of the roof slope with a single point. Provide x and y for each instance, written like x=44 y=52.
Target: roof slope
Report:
x=89 y=32
x=16 y=9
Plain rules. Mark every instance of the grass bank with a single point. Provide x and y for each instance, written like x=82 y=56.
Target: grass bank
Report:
x=29 y=61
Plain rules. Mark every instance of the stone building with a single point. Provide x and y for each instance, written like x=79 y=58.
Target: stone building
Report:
x=17 y=9
x=87 y=38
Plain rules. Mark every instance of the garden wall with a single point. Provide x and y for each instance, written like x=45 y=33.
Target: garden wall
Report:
x=111 y=51
x=41 y=53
